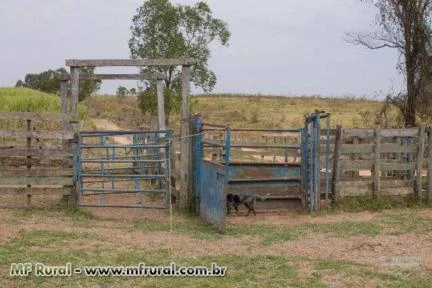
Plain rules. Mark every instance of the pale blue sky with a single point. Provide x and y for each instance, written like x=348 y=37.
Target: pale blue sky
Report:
x=283 y=47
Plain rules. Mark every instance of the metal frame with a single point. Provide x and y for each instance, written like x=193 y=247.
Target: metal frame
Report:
x=145 y=159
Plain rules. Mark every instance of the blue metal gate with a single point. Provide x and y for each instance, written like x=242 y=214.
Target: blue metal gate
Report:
x=291 y=174
x=124 y=169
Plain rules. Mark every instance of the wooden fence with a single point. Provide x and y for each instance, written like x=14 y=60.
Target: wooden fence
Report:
x=388 y=162
x=36 y=162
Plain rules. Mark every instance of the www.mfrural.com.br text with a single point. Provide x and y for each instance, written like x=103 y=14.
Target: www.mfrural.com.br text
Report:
x=140 y=270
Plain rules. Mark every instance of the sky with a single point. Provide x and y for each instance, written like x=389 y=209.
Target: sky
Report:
x=277 y=47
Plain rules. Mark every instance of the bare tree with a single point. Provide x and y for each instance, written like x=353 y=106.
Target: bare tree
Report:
x=403 y=25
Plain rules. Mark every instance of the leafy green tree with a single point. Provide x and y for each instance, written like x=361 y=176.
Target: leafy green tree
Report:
x=163 y=30
x=121 y=92
x=49 y=81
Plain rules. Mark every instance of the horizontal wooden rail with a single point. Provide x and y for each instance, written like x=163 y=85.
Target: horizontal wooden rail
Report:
x=35 y=191
x=36 y=153
x=64 y=135
x=129 y=62
x=36 y=116
x=66 y=181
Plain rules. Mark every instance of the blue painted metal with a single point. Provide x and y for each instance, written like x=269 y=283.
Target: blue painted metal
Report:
x=139 y=168
x=219 y=176
x=212 y=198
x=197 y=155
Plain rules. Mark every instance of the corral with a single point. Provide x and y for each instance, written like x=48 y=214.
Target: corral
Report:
x=304 y=169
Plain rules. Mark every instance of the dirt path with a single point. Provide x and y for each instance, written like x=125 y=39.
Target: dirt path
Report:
x=107 y=125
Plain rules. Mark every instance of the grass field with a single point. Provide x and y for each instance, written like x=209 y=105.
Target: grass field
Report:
x=248 y=111
x=381 y=249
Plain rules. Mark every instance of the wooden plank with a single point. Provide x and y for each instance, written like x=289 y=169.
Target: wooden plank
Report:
x=161 y=105
x=419 y=162
x=129 y=62
x=398 y=166
x=35 y=191
x=406 y=132
x=35 y=153
x=141 y=76
x=64 y=135
x=358 y=148
x=358 y=132
x=38 y=172
x=66 y=181
x=396 y=183
x=41 y=162
x=397 y=148
x=429 y=170
x=36 y=116
x=377 y=164
x=336 y=163
x=351 y=165
x=354 y=188
x=74 y=72
x=185 y=143
x=29 y=129
x=397 y=191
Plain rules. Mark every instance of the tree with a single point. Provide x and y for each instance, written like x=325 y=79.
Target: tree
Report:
x=405 y=26
x=121 y=92
x=163 y=30
x=49 y=81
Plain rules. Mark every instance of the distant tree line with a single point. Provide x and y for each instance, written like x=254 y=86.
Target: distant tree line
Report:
x=49 y=82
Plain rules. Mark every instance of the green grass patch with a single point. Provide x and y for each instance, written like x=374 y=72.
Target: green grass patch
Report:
x=359 y=204
x=192 y=226
x=271 y=234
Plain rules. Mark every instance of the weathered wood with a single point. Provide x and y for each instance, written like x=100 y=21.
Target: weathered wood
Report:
x=354 y=188
x=398 y=166
x=185 y=143
x=385 y=148
x=29 y=129
x=336 y=164
x=406 y=132
x=369 y=133
x=358 y=132
x=161 y=105
x=396 y=183
x=66 y=181
x=429 y=170
x=419 y=162
x=141 y=76
x=35 y=153
x=351 y=165
x=129 y=62
x=397 y=191
x=36 y=116
x=38 y=172
x=35 y=191
x=359 y=148
x=41 y=162
x=64 y=135
x=377 y=164
x=74 y=72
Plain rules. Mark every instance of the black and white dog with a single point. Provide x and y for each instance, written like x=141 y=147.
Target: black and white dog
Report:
x=234 y=200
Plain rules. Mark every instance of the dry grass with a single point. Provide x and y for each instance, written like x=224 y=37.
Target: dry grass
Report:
x=247 y=111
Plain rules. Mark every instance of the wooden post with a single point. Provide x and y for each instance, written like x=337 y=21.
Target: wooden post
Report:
x=377 y=164
x=429 y=175
x=73 y=109
x=354 y=156
x=161 y=105
x=29 y=157
x=185 y=144
x=336 y=167
x=419 y=164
